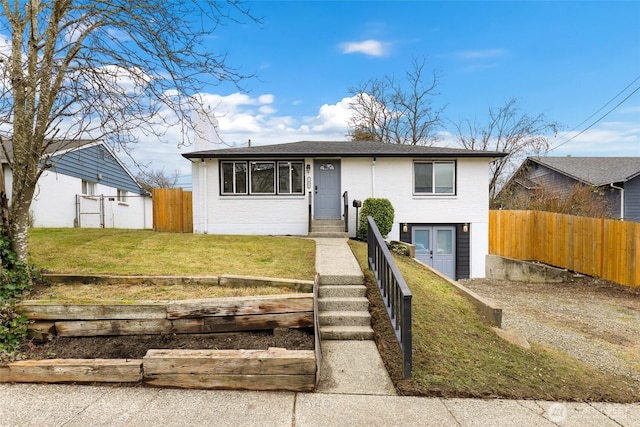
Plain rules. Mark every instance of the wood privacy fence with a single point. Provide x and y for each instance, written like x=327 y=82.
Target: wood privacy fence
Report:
x=604 y=248
x=172 y=210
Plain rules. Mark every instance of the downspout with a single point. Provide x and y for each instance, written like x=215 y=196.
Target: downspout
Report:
x=621 y=199
x=373 y=177
x=205 y=197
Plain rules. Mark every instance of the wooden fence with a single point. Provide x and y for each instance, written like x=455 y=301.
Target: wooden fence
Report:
x=172 y=210
x=604 y=248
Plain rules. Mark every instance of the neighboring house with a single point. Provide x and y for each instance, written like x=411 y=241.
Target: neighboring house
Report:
x=440 y=195
x=88 y=186
x=615 y=178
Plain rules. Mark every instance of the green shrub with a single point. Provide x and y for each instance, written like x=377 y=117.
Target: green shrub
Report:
x=15 y=281
x=382 y=212
x=15 y=278
x=13 y=330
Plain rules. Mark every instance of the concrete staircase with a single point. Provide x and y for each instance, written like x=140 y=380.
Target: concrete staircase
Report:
x=343 y=312
x=328 y=228
x=343 y=309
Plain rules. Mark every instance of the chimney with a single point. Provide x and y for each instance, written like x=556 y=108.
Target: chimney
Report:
x=205 y=126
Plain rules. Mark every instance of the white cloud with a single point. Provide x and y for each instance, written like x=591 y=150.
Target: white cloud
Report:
x=608 y=139
x=242 y=117
x=367 y=47
x=129 y=80
x=479 y=54
x=332 y=118
x=634 y=109
x=5 y=46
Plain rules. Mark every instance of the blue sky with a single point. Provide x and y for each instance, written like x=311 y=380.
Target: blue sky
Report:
x=564 y=59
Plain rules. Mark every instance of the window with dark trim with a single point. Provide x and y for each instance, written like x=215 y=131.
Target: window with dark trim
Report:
x=434 y=177
x=261 y=177
x=290 y=177
x=233 y=177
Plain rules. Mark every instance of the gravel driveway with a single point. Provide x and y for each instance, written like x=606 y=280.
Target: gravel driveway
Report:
x=593 y=320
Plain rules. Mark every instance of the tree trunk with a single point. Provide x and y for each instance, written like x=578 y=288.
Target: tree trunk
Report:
x=24 y=184
x=20 y=227
x=4 y=205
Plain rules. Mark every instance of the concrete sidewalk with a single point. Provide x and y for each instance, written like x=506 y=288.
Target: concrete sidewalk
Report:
x=354 y=390
x=66 y=405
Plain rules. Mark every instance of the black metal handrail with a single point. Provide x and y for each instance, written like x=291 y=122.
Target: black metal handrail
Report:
x=345 y=199
x=310 y=217
x=394 y=291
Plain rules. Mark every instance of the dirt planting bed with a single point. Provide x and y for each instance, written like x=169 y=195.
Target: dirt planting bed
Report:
x=136 y=346
x=256 y=342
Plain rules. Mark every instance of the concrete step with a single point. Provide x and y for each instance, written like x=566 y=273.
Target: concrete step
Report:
x=328 y=228
x=356 y=278
x=342 y=291
x=329 y=234
x=344 y=318
x=346 y=332
x=335 y=228
x=343 y=304
x=327 y=222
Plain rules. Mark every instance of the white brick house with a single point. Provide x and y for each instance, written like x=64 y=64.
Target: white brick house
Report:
x=440 y=195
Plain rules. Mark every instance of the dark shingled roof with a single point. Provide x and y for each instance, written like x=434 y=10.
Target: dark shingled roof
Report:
x=595 y=171
x=339 y=149
x=53 y=148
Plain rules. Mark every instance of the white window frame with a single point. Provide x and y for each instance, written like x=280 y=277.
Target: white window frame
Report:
x=122 y=195
x=88 y=188
x=434 y=187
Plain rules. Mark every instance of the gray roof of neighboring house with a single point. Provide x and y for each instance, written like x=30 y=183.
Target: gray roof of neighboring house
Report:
x=53 y=148
x=594 y=171
x=340 y=149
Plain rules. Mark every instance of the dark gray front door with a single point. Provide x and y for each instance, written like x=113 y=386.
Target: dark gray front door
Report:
x=435 y=246
x=326 y=175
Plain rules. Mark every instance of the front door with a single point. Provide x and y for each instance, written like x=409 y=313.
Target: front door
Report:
x=435 y=246
x=326 y=175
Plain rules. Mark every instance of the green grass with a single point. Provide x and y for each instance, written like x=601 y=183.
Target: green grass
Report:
x=455 y=354
x=105 y=293
x=144 y=252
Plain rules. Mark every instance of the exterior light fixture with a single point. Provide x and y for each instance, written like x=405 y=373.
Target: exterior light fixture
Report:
x=405 y=228
x=308 y=168
x=465 y=228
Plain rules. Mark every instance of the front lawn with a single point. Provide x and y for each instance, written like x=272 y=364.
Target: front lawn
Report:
x=144 y=252
x=456 y=355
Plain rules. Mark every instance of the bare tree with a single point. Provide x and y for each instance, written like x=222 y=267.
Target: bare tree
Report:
x=99 y=70
x=150 y=179
x=509 y=131
x=579 y=200
x=397 y=111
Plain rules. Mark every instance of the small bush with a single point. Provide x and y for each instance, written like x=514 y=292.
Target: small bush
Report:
x=382 y=212
x=15 y=281
x=13 y=330
x=399 y=248
x=15 y=278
